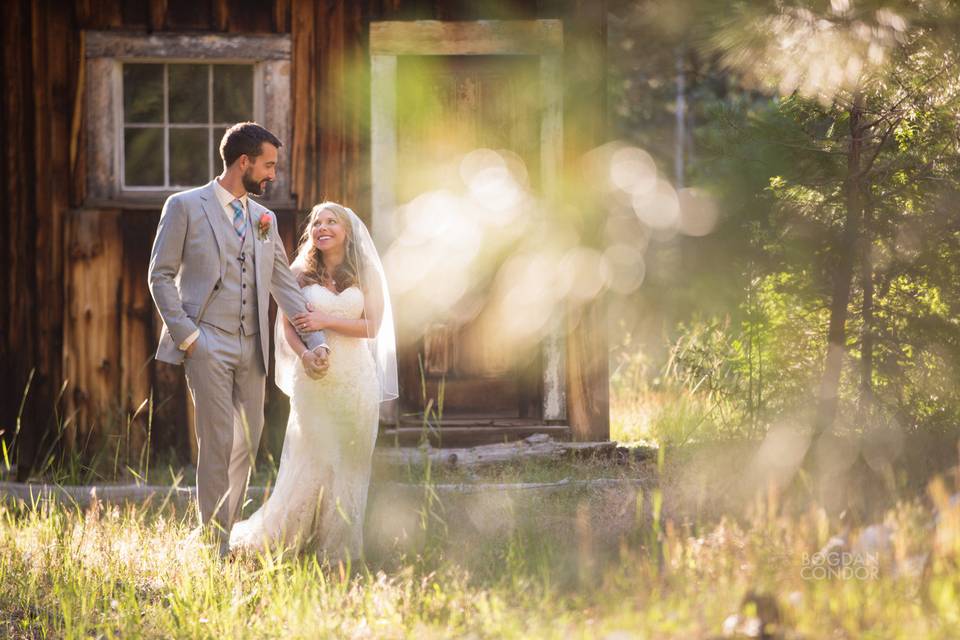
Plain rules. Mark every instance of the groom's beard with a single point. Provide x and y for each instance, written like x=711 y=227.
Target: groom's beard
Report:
x=252 y=186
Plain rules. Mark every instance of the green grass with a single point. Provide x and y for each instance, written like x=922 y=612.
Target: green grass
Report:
x=121 y=572
x=702 y=538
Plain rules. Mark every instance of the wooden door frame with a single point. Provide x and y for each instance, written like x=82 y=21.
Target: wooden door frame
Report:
x=542 y=38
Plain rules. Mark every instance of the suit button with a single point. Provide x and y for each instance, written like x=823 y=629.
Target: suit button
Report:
x=243 y=302
x=241 y=317
x=215 y=287
x=244 y=285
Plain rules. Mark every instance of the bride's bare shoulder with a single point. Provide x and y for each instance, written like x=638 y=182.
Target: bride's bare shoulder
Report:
x=297 y=269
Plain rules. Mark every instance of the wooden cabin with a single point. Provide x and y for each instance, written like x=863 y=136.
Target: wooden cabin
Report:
x=93 y=89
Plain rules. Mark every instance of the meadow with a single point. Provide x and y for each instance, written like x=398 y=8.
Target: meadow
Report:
x=682 y=567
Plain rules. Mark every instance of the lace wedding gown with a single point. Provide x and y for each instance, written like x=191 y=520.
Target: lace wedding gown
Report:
x=320 y=495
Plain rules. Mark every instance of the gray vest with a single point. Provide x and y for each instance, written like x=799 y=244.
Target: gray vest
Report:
x=234 y=304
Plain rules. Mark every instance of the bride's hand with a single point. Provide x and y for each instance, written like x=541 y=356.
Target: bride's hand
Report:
x=312 y=320
x=313 y=364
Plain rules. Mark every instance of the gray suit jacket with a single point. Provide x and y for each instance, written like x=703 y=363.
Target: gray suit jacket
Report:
x=188 y=261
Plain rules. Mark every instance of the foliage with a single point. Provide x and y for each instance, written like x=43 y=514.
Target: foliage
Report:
x=773 y=93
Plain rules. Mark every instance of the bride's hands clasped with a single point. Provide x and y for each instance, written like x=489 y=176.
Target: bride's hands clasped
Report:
x=315 y=363
x=312 y=320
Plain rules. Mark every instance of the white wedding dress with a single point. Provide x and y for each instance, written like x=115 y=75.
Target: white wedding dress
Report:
x=320 y=495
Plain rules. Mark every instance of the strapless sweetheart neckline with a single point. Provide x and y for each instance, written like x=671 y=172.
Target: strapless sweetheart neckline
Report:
x=314 y=284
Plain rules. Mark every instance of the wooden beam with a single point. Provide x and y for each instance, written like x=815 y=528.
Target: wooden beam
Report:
x=304 y=89
x=91 y=352
x=221 y=15
x=157 y=14
x=480 y=37
x=281 y=16
x=112 y=44
x=383 y=146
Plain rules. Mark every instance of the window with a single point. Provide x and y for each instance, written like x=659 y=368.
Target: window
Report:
x=174 y=116
x=156 y=106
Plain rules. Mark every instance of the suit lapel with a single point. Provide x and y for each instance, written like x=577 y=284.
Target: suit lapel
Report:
x=211 y=207
x=253 y=214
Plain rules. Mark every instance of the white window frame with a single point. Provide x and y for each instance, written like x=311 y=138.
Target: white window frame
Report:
x=105 y=54
x=166 y=125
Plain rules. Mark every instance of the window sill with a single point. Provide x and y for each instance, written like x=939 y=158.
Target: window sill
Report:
x=155 y=202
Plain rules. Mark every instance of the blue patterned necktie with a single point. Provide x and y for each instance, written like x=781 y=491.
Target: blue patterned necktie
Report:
x=239 y=220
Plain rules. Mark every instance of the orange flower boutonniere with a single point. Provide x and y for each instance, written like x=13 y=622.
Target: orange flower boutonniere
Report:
x=264 y=226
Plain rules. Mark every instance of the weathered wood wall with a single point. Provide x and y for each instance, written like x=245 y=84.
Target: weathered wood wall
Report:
x=76 y=305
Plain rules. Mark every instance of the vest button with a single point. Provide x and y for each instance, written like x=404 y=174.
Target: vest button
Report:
x=216 y=287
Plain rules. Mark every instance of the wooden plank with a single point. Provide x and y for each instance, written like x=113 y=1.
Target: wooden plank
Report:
x=469 y=436
x=276 y=117
x=53 y=73
x=101 y=129
x=157 y=14
x=99 y=14
x=481 y=37
x=136 y=325
x=92 y=276
x=189 y=15
x=281 y=16
x=304 y=93
x=221 y=15
x=172 y=425
x=244 y=16
x=551 y=168
x=331 y=69
x=383 y=146
x=101 y=44
x=17 y=333
x=539 y=446
x=329 y=89
x=588 y=374
x=585 y=117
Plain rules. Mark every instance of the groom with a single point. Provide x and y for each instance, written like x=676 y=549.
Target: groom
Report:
x=216 y=258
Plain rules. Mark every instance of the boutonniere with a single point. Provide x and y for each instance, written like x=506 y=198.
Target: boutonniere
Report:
x=263 y=227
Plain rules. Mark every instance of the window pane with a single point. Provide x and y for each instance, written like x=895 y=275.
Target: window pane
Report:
x=217 y=160
x=232 y=93
x=143 y=157
x=189 y=99
x=189 y=164
x=143 y=93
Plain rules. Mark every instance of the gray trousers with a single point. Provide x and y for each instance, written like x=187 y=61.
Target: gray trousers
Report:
x=226 y=379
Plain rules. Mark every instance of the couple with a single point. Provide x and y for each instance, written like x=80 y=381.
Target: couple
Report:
x=216 y=259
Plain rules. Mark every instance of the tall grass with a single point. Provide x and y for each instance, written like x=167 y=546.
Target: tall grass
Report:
x=120 y=572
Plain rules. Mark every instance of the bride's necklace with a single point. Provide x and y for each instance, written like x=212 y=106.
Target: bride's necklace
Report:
x=327 y=281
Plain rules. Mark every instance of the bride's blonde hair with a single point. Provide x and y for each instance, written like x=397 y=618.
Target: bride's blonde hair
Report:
x=310 y=258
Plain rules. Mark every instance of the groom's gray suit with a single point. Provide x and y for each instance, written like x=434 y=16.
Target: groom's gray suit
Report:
x=206 y=278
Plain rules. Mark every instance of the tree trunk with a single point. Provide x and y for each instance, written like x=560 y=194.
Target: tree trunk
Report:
x=836 y=337
x=866 y=338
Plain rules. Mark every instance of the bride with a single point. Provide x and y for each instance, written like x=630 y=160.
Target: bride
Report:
x=320 y=495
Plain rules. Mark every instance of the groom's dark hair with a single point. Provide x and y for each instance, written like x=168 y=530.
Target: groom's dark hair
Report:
x=245 y=138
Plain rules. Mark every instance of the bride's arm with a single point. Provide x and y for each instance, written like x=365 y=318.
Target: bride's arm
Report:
x=366 y=326
x=357 y=328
